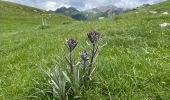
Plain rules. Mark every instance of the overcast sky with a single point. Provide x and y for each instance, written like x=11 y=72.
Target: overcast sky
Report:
x=83 y=4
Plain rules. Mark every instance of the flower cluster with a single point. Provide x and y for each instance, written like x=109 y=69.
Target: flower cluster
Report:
x=70 y=82
x=79 y=76
x=84 y=55
x=93 y=36
x=71 y=44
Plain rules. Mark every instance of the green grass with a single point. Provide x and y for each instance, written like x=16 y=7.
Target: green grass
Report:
x=134 y=65
x=16 y=18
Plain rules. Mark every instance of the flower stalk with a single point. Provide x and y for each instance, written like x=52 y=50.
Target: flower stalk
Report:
x=71 y=62
x=71 y=44
x=93 y=53
x=84 y=58
x=94 y=38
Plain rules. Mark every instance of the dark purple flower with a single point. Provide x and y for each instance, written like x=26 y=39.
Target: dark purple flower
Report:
x=72 y=44
x=84 y=55
x=93 y=36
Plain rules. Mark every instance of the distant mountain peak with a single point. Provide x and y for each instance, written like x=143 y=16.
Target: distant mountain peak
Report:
x=105 y=8
x=72 y=12
x=67 y=11
x=95 y=13
x=70 y=9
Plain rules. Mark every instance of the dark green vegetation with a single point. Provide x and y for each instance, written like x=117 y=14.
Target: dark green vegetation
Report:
x=135 y=63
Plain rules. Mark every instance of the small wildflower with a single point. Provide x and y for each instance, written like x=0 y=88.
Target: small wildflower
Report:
x=72 y=44
x=84 y=55
x=93 y=36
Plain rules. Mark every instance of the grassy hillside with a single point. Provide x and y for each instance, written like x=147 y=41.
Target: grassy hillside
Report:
x=133 y=65
x=15 y=17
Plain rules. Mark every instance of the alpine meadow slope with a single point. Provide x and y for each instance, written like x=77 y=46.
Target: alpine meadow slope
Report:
x=134 y=64
x=15 y=17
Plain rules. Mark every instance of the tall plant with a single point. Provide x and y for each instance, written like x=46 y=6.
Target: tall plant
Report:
x=67 y=83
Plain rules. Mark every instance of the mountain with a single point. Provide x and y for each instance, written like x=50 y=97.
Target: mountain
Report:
x=103 y=11
x=67 y=11
x=95 y=13
x=72 y=12
x=113 y=12
x=103 y=8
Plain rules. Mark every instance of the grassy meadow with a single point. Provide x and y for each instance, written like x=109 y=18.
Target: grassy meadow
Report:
x=134 y=64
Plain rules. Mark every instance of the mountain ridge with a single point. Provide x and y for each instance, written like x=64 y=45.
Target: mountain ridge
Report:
x=95 y=13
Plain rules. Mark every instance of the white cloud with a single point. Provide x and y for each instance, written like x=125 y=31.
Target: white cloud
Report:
x=52 y=5
x=129 y=3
